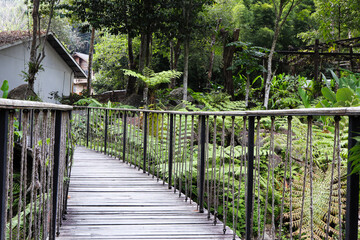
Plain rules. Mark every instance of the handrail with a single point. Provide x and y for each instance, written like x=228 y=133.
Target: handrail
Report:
x=165 y=143
x=20 y=104
x=341 y=111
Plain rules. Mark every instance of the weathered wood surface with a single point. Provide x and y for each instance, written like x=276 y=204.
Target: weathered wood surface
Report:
x=108 y=199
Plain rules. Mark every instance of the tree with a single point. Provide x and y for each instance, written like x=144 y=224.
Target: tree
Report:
x=191 y=10
x=212 y=55
x=110 y=58
x=334 y=20
x=282 y=10
x=138 y=18
x=246 y=61
x=37 y=48
x=93 y=16
x=228 y=55
x=152 y=79
x=13 y=15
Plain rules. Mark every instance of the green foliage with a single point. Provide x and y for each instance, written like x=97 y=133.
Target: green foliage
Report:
x=304 y=97
x=344 y=97
x=110 y=58
x=332 y=20
x=348 y=80
x=91 y=102
x=5 y=89
x=284 y=91
x=13 y=15
x=355 y=156
x=320 y=200
x=215 y=101
x=248 y=57
x=152 y=79
x=348 y=94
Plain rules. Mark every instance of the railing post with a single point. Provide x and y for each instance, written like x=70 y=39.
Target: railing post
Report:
x=250 y=180
x=31 y=127
x=4 y=114
x=352 y=192
x=145 y=141
x=57 y=150
x=106 y=131
x=124 y=137
x=171 y=153
x=67 y=182
x=202 y=164
x=87 y=127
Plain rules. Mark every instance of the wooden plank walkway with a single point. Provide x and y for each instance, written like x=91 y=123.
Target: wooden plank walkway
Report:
x=109 y=199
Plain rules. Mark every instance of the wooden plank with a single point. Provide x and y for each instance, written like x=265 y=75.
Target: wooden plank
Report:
x=109 y=199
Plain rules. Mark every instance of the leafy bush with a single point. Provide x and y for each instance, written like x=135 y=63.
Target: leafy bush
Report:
x=284 y=91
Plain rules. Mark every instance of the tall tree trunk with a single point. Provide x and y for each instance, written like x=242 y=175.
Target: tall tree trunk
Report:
x=143 y=50
x=148 y=54
x=186 y=67
x=130 y=88
x=33 y=49
x=269 y=61
x=144 y=60
x=279 y=22
x=227 y=61
x=174 y=58
x=172 y=83
x=36 y=57
x=131 y=82
x=212 y=55
x=91 y=52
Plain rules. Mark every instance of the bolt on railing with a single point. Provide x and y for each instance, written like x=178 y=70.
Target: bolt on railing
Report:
x=34 y=168
x=267 y=174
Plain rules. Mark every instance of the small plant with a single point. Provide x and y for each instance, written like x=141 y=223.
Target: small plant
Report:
x=5 y=89
x=152 y=79
x=91 y=102
x=319 y=204
x=284 y=91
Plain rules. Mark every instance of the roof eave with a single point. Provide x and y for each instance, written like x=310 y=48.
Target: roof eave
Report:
x=64 y=54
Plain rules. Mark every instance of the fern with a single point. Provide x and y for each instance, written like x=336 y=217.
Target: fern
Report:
x=355 y=156
x=151 y=79
x=321 y=194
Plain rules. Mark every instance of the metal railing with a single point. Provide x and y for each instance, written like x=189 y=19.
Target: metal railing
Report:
x=267 y=174
x=35 y=161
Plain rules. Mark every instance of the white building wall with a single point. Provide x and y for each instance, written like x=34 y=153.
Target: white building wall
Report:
x=56 y=77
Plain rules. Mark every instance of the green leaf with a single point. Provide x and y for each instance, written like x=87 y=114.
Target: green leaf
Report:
x=304 y=97
x=342 y=104
x=323 y=104
x=345 y=94
x=334 y=76
x=5 y=89
x=328 y=94
x=358 y=92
